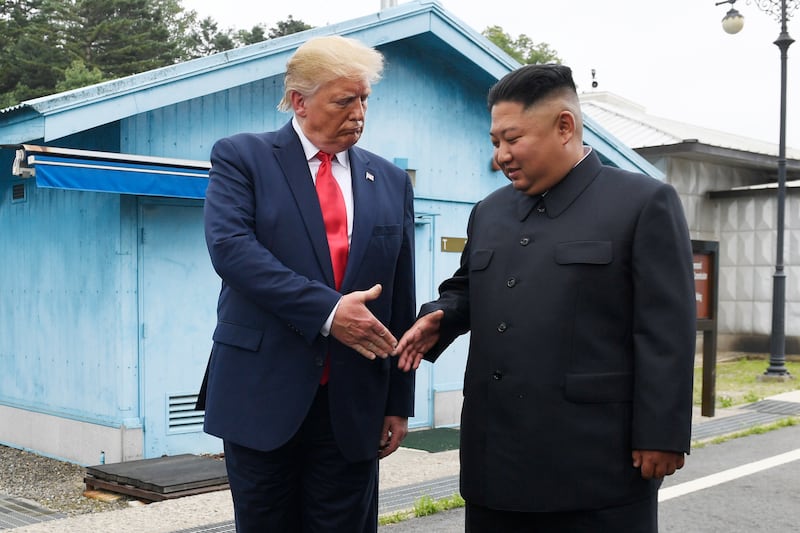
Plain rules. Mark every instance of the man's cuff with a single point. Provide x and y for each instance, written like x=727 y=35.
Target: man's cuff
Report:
x=326 y=327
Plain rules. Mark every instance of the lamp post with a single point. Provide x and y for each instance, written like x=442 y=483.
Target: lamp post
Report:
x=732 y=23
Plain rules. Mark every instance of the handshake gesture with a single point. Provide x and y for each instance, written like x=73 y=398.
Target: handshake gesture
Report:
x=418 y=340
x=355 y=326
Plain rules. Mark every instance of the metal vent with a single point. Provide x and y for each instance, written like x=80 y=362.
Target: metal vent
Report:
x=18 y=192
x=183 y=417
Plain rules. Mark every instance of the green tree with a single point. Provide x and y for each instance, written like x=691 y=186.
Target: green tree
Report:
x=206 y=39
x=253 y=36
x=32 y=49
x=123 y=37
x=523 y=49
x=287 y=27
x=56 y=45
x=77 y=75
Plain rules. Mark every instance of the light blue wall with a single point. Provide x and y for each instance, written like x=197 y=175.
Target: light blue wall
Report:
x=67 y=305
x=189 y=129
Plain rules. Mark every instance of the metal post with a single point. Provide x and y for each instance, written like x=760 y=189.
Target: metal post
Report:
x=777 y=355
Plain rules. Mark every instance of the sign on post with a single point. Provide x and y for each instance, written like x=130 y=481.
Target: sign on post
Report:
x=706 y=275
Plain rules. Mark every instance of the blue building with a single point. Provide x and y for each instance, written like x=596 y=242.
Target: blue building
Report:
x=107 y=295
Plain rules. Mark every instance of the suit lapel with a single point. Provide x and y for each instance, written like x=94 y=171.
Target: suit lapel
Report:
x=292 y=160
x=365 y=182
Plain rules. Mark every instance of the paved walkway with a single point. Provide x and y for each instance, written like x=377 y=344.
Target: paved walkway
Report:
x=405 y=476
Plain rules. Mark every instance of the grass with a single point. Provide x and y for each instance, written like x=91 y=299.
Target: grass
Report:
x=424 y=506
x=737 y=381
x=757 y=430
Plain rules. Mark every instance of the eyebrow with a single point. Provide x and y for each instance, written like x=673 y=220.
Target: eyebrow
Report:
x=504 y=131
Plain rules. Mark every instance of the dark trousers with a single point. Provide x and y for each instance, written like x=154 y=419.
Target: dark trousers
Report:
x=305 y=486
x=638 y=517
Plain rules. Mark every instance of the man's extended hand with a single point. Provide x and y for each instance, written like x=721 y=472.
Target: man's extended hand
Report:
x=395 y=429
x=418 y=340
x=355 y=326
x=656 y=464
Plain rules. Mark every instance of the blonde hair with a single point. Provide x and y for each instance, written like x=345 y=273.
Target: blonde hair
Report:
x=324 y=59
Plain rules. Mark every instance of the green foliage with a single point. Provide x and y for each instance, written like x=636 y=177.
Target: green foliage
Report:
x=453 y=502
x=424 y=506
x=394 y=518
x=523 y=49
x=207 y=39
x=124 y=37
x=737 y=381
x=77 y=75
x=33 y=49
x=56 y=45
x=287 y=27
x=255 y=35
x=751 y=397
x=757 y=430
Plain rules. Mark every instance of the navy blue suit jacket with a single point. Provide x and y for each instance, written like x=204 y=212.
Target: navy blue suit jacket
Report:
x=266 y=238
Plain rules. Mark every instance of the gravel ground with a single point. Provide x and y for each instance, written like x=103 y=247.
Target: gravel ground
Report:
x=54 y=484
x=59 y=486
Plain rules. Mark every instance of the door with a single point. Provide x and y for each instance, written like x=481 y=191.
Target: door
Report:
x=423 y=258
x=178 y=296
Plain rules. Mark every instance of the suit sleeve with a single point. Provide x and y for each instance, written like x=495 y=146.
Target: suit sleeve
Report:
x=243 y=262
x=453 y=300
x=664 y=326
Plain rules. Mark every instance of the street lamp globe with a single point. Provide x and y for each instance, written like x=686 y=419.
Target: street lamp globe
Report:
x=733 y=22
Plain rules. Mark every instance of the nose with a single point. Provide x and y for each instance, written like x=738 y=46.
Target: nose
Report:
x=358 y=110
x=501 y=155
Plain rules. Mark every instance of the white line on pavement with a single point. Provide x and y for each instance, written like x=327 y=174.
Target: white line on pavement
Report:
x=727 y=475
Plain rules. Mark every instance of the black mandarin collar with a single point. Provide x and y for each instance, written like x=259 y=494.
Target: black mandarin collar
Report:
x=560 y=197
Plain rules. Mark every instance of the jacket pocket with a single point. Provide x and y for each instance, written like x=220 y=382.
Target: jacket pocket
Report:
x=238 y=336
x=599 y=388
x=480 y=259
x=584 y=252
x=391 y=229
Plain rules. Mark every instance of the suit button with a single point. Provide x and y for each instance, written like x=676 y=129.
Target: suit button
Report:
x=319 y=361
x=524 y=241
x=497 y=375
x=540 y=209
x=511 y=282
x=501 y=327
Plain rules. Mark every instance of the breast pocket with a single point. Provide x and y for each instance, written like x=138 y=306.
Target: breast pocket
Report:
x=387 y=230
x=480 y=259
x=584 y=252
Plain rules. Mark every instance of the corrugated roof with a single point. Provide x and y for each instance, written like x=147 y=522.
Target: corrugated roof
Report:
x=630 y=123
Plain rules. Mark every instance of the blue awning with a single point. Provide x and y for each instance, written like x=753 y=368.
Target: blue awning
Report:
x=115 y=173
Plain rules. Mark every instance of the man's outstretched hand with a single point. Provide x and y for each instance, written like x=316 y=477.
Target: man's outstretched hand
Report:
x=355 y=326
x=418 y=340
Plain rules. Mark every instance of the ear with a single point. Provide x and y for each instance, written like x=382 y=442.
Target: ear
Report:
x=298 y=104
x=566 y=125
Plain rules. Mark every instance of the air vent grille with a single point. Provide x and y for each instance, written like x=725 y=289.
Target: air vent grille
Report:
x=183 y=417
x=18 y=192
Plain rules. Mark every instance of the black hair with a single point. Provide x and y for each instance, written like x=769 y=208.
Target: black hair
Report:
x=530 y=83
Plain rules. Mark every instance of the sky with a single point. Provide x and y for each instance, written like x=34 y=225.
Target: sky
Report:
x=672 y=57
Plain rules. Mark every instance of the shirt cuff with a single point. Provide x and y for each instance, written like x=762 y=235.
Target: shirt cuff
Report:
x=326 y=327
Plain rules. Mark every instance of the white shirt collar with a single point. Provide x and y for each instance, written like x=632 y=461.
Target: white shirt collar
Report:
x=311 y=150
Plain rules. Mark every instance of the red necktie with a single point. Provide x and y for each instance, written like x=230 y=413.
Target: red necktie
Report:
x=334 y=214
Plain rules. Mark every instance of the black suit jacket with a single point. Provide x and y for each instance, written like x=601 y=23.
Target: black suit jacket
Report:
x=267 y=241
x=582 y=317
